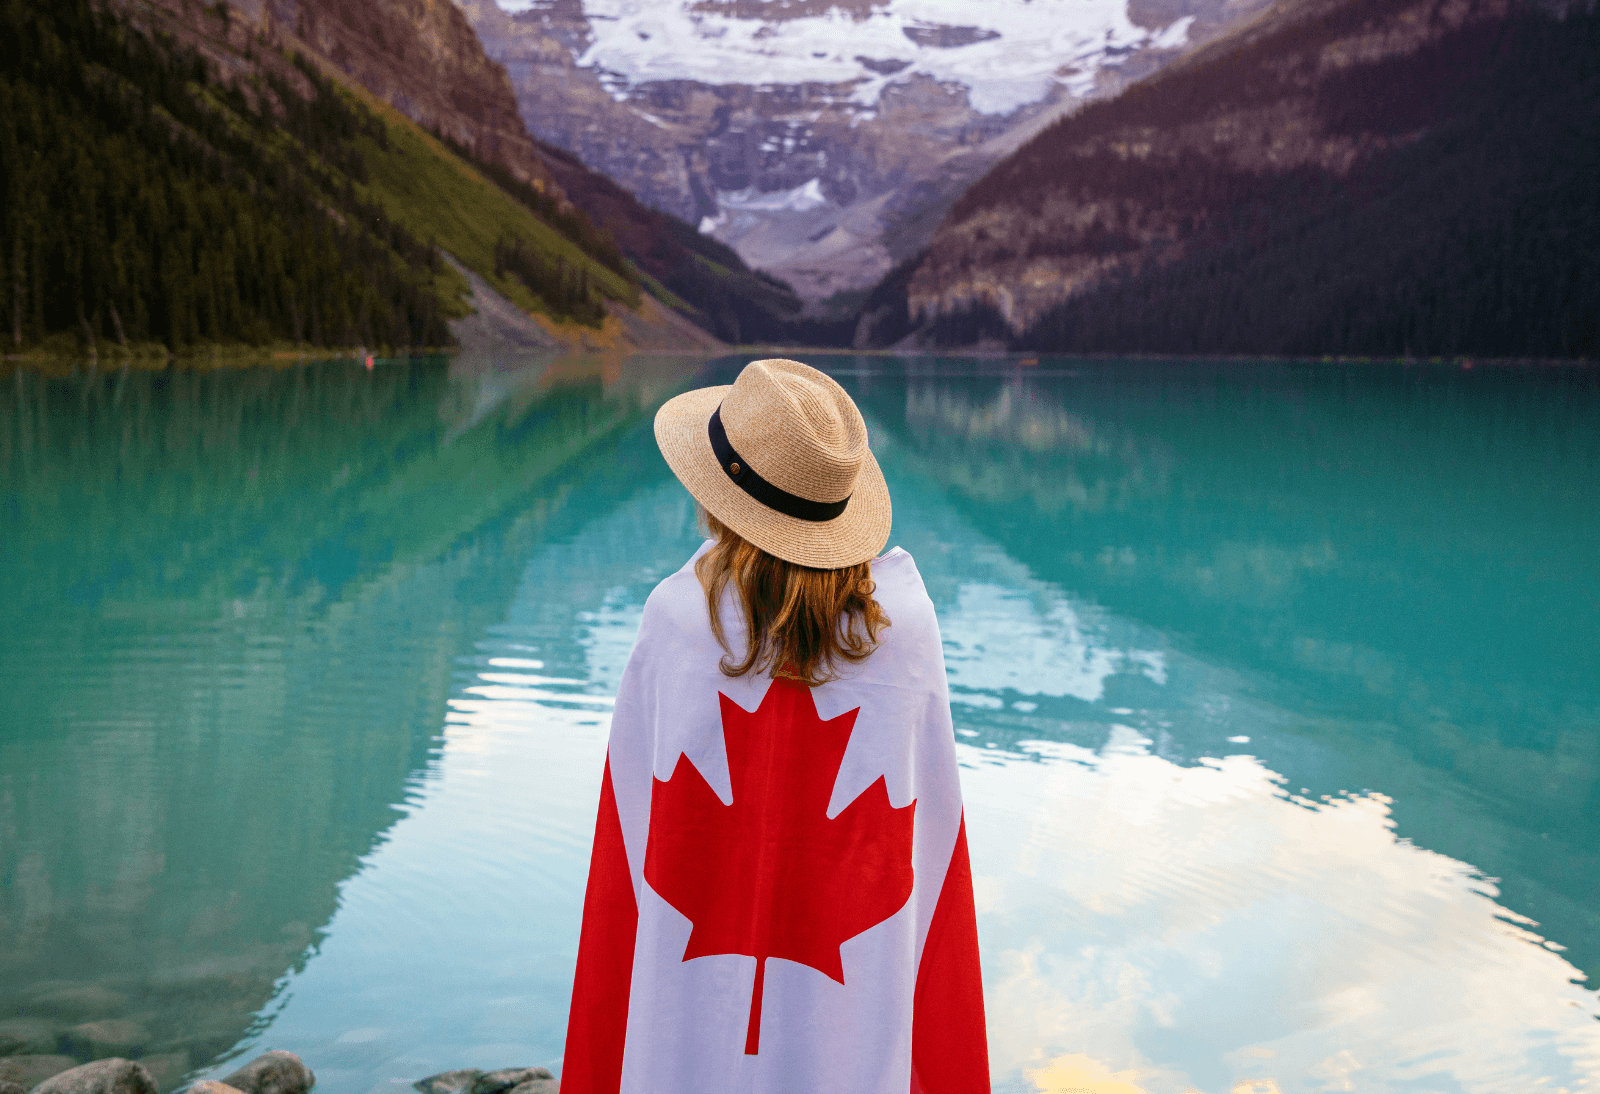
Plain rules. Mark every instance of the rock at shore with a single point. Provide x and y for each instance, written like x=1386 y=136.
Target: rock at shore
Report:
x=29 y=1071
x=211 y=1086
x=26 y=1036
x=546 y=1085
x=113 y=1076
x=276 y=1072
x=507 y=1078
x=448 y=1082
x=9 y=1087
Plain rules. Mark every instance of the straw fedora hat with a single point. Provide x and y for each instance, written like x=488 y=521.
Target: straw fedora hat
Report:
x=780 y=456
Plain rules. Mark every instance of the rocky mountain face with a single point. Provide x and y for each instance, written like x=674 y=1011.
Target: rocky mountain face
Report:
x=822 y=139
x=420 y=56
x=1355 y=176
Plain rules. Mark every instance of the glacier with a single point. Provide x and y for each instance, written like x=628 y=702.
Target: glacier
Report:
x=1023 y=49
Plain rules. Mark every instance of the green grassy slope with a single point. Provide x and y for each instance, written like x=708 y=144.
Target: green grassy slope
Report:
x=435 y=194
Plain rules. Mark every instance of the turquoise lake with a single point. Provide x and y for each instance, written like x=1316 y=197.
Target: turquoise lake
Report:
x=1276 y=686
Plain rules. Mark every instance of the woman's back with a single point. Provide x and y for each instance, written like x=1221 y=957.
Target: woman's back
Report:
x=779 y=899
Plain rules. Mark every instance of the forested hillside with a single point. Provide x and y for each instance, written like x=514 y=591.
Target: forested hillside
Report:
x=143 y=203
x=1372 y=178
x=152 y=204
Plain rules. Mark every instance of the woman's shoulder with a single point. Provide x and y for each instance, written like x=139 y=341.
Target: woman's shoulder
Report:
x=678 y=601
x=904 y=598
x=897 y=577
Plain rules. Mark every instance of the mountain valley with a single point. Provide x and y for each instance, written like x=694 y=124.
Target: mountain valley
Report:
x=1319 y=177
x=822 y=140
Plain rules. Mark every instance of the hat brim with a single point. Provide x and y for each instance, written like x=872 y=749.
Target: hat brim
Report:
x=854 y=536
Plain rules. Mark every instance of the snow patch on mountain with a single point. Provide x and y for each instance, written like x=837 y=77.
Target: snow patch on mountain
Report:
x=801 y=199
x=804 y=198
x=1006 y=53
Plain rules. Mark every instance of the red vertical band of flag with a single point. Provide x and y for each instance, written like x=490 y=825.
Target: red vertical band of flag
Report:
x=598 y=1023
x=949 y=1047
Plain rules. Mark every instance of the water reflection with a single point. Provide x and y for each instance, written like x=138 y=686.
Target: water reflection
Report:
x=473 y=904
x=232 y=604
x=1276 y=690
x=1404 y=558
x=1210 y=930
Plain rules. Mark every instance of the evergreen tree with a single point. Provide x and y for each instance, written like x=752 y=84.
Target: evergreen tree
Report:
x=144 y=202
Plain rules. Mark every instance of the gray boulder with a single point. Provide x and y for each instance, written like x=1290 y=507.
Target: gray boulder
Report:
x=29 y=1071
x=275 y=1072
x=507 y=1078
x=211 y=1086
x=21 y=1036
x=9 y=1087
x=113 y=1076
x=448 y=1082
x=537 y=1086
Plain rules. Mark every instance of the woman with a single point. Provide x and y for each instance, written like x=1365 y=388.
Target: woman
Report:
x=779 y=900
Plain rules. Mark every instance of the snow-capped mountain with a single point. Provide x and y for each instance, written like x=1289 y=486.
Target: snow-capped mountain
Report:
x=1005 y=53
x=822 y=139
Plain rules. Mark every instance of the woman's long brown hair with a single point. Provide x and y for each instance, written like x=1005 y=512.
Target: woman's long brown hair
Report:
x=801 y=623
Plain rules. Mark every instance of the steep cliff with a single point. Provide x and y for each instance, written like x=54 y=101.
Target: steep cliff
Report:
x=822 y=139
x=419 y=56
x=1355 y=176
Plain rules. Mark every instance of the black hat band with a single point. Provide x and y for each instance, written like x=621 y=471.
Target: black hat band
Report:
x=773 y=497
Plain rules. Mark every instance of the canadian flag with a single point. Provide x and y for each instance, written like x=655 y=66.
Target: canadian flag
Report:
x=779 y=898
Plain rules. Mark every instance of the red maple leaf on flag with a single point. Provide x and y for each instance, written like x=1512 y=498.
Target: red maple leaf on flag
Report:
x=771 y=875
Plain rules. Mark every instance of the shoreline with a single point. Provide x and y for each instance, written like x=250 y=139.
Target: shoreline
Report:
x=273 y=1072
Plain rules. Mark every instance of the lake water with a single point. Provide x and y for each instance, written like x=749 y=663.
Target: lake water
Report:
x=1276 y=686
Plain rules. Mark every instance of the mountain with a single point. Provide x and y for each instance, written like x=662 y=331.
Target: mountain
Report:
x=703 y=279
x=1338 y=177
x=424 y=59
x=147 y=205
x=175 y=179
x=822 y=139
x=332 y=173
x=418 y=56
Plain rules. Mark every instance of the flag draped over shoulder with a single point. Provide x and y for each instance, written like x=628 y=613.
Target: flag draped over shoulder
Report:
x=779 y=899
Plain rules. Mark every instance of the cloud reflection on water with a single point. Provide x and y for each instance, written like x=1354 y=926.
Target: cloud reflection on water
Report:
x=994 y=640
x=1200 y=927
